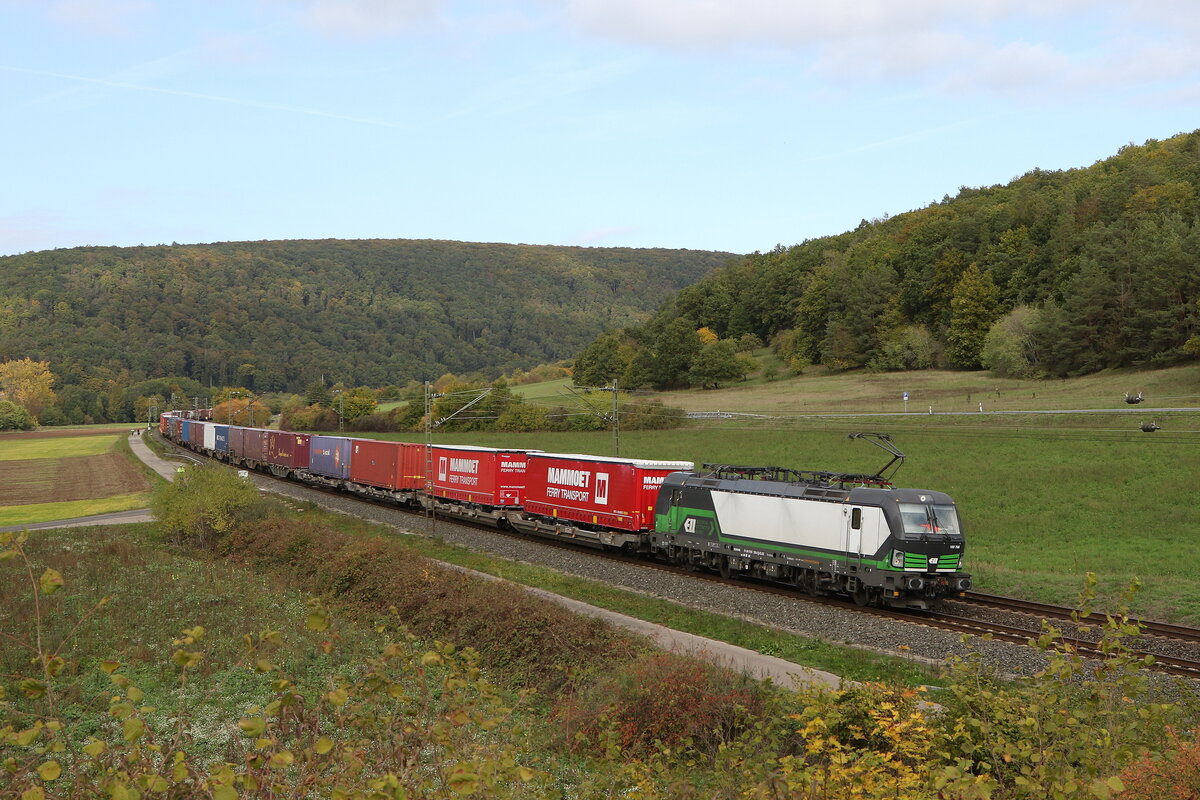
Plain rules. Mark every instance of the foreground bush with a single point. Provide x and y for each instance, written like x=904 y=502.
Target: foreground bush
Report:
x=530 y=642
x=662 y=701
x=1175 y=776
x=411 y=722
x=204 y=503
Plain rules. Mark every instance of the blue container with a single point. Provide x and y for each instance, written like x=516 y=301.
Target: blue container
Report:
x=222 y=439
x=329 y=456
x=185 y=430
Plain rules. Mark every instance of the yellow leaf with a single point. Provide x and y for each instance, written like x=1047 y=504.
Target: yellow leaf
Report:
x=224 y=793
x=463 y=782
x=135 y=694
x=49 y=770
x=51 y=581
x=157 y=783
x=34 y=793
x=317 y=621
x=338 y=697
x=133 y=728
x=110 y=666
x=282 y=759
x=253 y=726
x=94 y=748
x=526 y=773
x=323 y=745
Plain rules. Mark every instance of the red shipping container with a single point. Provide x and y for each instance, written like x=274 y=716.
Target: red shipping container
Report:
x=287 y=449
x=608 y=492
x=483 y=475
x=237 y=441
x=391 y=465
x=254 y=444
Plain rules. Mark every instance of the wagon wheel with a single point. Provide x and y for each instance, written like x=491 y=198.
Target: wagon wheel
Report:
x=726 y=569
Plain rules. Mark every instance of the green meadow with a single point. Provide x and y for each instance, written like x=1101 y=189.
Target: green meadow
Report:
x=57 y=447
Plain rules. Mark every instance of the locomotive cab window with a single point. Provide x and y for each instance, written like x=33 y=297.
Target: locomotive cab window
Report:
x=922 y=519
x=856 y=518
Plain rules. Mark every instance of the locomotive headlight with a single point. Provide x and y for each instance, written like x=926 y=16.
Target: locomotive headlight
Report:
x=898 y=559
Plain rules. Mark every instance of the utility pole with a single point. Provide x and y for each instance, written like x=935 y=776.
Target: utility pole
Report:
x=429 y=426
x=614 y=417
x=429 y=459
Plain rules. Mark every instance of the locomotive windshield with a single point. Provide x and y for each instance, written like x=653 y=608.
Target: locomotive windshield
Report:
x=923 y=519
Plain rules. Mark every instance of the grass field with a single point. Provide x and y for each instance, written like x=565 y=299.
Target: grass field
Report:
x=55 y=447
x=52 y=476
x=45 y=512
x=820 y=392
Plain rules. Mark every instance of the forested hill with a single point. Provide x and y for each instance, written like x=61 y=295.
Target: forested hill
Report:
x=276 y=315
x=1054 y=273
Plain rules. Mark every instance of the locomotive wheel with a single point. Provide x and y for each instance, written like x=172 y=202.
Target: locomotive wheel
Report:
x=861 y=595
x=726 y=570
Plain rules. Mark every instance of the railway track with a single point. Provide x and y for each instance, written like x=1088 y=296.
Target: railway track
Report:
x=1165 y=630
x=1172 y=664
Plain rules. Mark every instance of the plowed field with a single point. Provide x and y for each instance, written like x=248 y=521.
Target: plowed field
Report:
x=52 y=480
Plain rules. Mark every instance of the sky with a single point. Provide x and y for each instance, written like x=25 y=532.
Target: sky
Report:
x=734 y=125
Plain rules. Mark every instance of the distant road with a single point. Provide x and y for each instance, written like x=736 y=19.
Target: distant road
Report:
x=115 y=518
x=740 y=414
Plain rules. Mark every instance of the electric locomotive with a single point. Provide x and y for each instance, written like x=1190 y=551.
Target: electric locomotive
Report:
x=822 y=532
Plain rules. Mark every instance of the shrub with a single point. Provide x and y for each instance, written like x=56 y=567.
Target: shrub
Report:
x=663 y=701
x=13 y=417
x=1175 y=777
x=529 y=641
x=204 y=503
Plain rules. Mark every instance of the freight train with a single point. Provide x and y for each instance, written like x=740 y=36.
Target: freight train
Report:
x=820 y=532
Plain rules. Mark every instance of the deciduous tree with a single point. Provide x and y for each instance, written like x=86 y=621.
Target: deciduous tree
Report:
x=972 y=312
x=28 y=384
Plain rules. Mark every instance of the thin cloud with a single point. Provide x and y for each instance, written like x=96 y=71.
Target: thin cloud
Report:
x=105 y=17
x=1000 y=46
x=361 y=19
x=312 y=112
